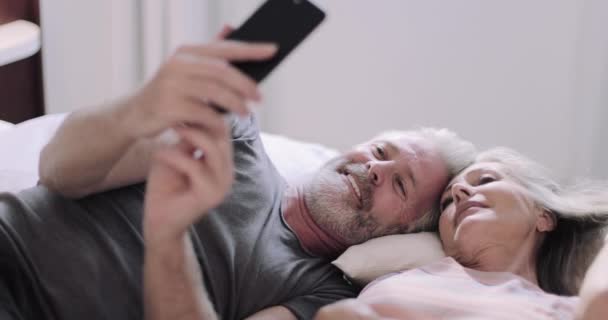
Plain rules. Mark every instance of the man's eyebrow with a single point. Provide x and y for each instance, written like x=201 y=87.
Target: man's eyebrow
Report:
x=393 y=149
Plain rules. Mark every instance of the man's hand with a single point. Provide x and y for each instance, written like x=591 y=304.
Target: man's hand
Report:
x=103 y=148
x=186 y=180
x=191 y=81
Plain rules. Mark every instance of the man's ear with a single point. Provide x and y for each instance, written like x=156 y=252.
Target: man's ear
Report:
x=547 y=221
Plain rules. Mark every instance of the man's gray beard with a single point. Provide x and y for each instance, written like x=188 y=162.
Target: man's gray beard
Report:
x=328 y=200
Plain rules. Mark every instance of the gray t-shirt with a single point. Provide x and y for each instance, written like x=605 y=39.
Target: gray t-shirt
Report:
x=64 y=259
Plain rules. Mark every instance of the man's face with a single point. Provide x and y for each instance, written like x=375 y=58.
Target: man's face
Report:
x=378 y=188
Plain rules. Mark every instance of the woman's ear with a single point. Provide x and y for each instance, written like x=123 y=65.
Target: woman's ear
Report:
x=547 y=221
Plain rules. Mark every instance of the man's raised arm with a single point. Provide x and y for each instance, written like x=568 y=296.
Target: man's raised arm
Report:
x=93 y=150
x=110 y=146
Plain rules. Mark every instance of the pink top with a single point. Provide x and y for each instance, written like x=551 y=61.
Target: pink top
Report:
x=447 y=290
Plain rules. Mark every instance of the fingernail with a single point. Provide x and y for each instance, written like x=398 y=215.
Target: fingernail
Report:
x=273 y=47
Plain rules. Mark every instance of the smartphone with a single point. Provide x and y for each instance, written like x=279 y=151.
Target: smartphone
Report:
x=284 y=22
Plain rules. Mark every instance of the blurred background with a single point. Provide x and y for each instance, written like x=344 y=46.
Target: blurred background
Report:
x=528 y=74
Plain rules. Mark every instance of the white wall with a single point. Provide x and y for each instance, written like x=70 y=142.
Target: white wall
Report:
x=165 y=25
x=77 y=53
x=98 y=51
x=532 y=75
x=591 y=103
x=514 y=73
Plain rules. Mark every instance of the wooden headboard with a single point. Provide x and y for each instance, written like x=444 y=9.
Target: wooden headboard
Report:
x=21 y=89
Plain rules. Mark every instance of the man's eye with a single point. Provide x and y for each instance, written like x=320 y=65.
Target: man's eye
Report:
x=445 y=203
x=486 y=179
x=380 y=152
x=401 y=187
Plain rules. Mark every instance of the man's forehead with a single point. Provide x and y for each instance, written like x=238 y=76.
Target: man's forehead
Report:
x=421 y=155
x=418 y=148
x=403 y=142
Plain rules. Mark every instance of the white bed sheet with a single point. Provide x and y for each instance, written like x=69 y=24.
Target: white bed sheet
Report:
x=5 y=125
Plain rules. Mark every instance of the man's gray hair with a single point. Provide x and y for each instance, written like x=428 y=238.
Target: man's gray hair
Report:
x=456 y=153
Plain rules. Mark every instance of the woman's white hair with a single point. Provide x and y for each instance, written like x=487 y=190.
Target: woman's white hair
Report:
x=456 y=153
x=580 y=212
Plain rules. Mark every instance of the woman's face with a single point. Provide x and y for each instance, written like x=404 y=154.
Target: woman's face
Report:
x=487 y=214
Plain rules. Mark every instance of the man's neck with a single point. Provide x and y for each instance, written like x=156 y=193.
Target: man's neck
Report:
x=313 y=238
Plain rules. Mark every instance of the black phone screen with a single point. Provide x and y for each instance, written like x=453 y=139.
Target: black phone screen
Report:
x=284 y=22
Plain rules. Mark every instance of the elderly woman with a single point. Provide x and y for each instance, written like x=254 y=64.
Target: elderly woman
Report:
x=519 y=246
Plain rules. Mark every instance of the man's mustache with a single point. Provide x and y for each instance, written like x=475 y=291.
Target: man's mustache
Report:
x=360 y=173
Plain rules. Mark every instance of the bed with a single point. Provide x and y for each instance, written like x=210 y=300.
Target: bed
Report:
x=361 y=264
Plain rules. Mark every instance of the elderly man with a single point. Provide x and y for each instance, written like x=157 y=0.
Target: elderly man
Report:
x=223 y=234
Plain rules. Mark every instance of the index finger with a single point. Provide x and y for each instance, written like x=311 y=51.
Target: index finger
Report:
x=232 y=50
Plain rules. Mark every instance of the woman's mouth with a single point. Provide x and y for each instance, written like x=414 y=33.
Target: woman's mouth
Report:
x=466 y=209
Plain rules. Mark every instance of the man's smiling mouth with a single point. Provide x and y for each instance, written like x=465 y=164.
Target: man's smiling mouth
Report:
x=354 y=185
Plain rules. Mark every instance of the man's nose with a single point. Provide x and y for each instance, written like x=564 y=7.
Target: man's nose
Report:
x=377 y=171
x=461 y=192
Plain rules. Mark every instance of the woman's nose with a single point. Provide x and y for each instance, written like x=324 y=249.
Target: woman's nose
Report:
x=461 y=192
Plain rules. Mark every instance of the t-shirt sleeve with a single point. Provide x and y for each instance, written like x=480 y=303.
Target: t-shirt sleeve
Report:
x=305 y=307
x=8 y=308
x=243 y=128
x=15 y=294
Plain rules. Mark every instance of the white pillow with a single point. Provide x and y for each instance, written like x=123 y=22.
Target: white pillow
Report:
x=370 y=260
x=5 y=125
x=21 y=145
x=295 y=159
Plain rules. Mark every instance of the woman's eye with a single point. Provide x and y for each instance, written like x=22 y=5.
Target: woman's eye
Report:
x=486 y=179
x=445 y=203
x=380 y=152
